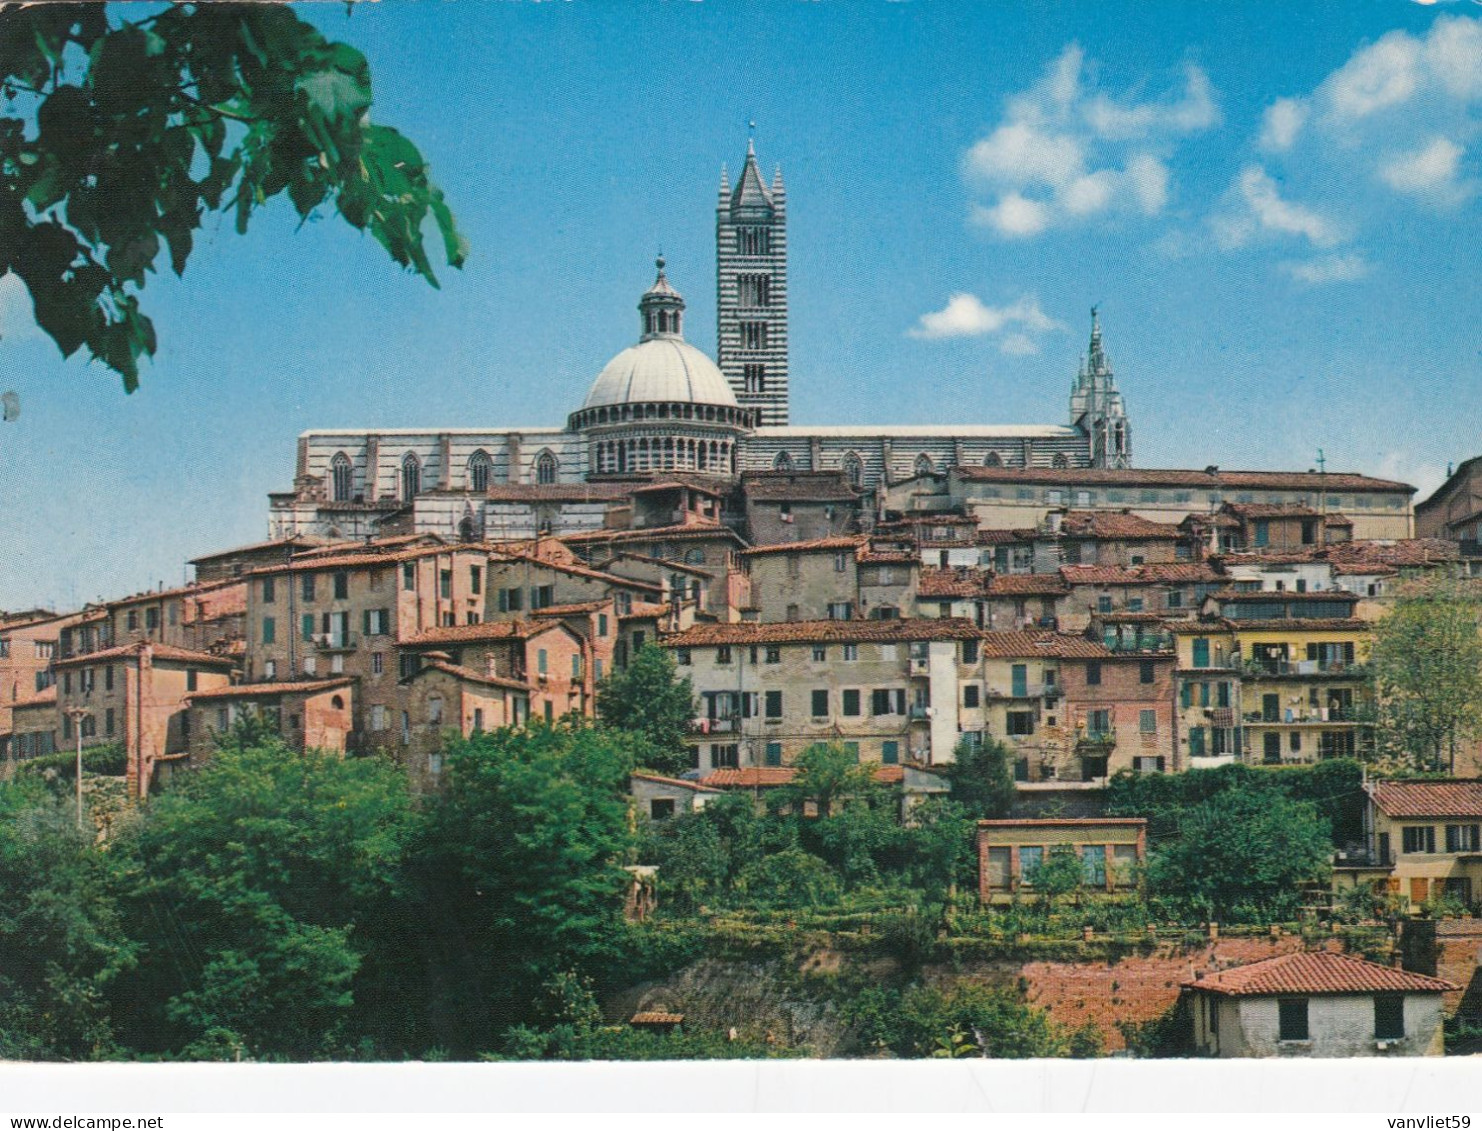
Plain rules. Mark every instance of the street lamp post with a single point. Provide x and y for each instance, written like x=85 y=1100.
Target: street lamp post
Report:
x=77 y=714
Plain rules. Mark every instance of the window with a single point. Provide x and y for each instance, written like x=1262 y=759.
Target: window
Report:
x=601 y=624
x=377 y=717
x=969 y=651
x=1462 y=838
x=478 y=719
x=1103 y=604
x=971 y=695
x=754 y=377
x=269 y=630
x=924 y=466
x=1292 y=1012
x=819 y=699
x=850 y=702
x=840 y=610
x=1146 y=671
x=1020 y=724
x=1147 y=722
x=542 y=661
x=377 y=622
x=576 y=665
x=411 y=477
x=511 y=600
x=854 y=470
x=774 y=754
x=269 y=590
x=306 y=627
x=445 y=584
x=1093 y=673
x=435 y=710
x=542 y=596
x=1418 y=838
x=108 y=721
x=851 y=653
x=753 y=335
x=753 y=291
x=1389 y=1017
x=1093 y=864
x=820 y=654
x=406 y=729
x=661 y=808
x=378 y=663
x=132 y=620
x=108 y=679
x=1098 y=723
x=724 y=755
x=409 y=576
x=723 y=654
x=774 y=705
x=306 y=586
x=190 y=679
x=682 y=657
x=342 y=476
x=408 y=664
x=479 y=465
x=546 y=468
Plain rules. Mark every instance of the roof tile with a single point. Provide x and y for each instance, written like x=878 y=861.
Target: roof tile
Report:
x=1317 y=972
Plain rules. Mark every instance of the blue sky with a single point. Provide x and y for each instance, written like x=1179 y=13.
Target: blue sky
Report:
x=1277 y=208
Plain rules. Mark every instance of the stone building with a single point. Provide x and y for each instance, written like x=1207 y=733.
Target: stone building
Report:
x=1422 y=842
x=1110 y=849
x=890 y=690
x=29 y=644
x=1317 y=1004
x=1454 y=509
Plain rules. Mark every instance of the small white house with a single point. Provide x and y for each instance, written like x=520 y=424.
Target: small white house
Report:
x=1317 y=1004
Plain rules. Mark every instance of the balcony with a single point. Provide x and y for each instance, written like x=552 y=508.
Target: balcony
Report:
x=1261 y=669
x=1026 y=691
x=334 y=642
x=1095 y=740
x=728 y=725
x=1307 y=716
x=920 y=712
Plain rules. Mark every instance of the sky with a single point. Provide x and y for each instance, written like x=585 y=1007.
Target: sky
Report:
x=1276 y=208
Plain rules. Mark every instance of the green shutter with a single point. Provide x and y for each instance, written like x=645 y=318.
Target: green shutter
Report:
x=308 y=626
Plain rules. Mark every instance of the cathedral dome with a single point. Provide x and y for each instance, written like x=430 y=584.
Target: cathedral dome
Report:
x=662 y=368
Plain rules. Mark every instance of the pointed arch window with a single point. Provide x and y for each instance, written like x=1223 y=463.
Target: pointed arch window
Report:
x=993 y=459
x=411 y=477
x=854 y=470
x=783 y=462
x=479 y=468
x=924 y=466
x=546 y=468
x=1060 y=460
x=342 y=476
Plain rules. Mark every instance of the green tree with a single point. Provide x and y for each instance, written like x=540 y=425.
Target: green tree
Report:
x=827 y=775
x=62 y=940
x=521 y=873
x=123 y=133
x=247 y=886
x=648 y=699
x=992 y=1021
x=1058 y=874
x=1242 y=854
x=982 y=778
x=1427 y=663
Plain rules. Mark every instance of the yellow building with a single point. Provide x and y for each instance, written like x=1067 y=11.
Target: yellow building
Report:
x=1273 y=677
x=1423 y=841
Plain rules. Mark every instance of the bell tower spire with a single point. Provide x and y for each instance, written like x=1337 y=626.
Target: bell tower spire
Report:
x=1096 y=406
x=751 y=289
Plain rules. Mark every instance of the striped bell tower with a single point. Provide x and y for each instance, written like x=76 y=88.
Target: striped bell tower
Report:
x=751 y=290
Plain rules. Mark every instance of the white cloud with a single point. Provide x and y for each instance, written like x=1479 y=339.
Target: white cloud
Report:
x=1328 y=269
x=1387 y=72
x=1428 y=171
x=1260 y=210
x=967 y=316
x=1282 y=122
x=1061 y=152
x=17 y=318
x=1013 y=216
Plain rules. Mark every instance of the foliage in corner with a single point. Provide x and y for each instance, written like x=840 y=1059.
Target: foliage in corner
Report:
x=119 y=136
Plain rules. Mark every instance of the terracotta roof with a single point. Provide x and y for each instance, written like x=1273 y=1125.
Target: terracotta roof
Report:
x=1300 y=624
x=1115 y=524
x=1367 y=569
x=470 y=675
x=903 y=630
x=1450 y=798
x=1173 y=572
x=1317 y=972
x=1061 y=822
x=761 y=777
x=256 y=547
x=629 y=555
x=254 y=690
x=1062 y=645
x=647 y=533
x=1270 y=510
x=802 y=486
x=578 y=608
x=557 y=492
x=346 y=559
x=1337 y=520
x=1001 y=537
x=951 y=583
x=1101 y=575
x=668 y=481
x=1284 y=596
x=502 y=557
x=40 y=699
x=656 y=1017
x=1168 y=477
x=484 y=630
x=680 y=782
x=1027 y=585
x=157 y=651
x=837 y=542
x=885 y=557
x=644 y=610
x=178 y=591
x=1402 y=552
